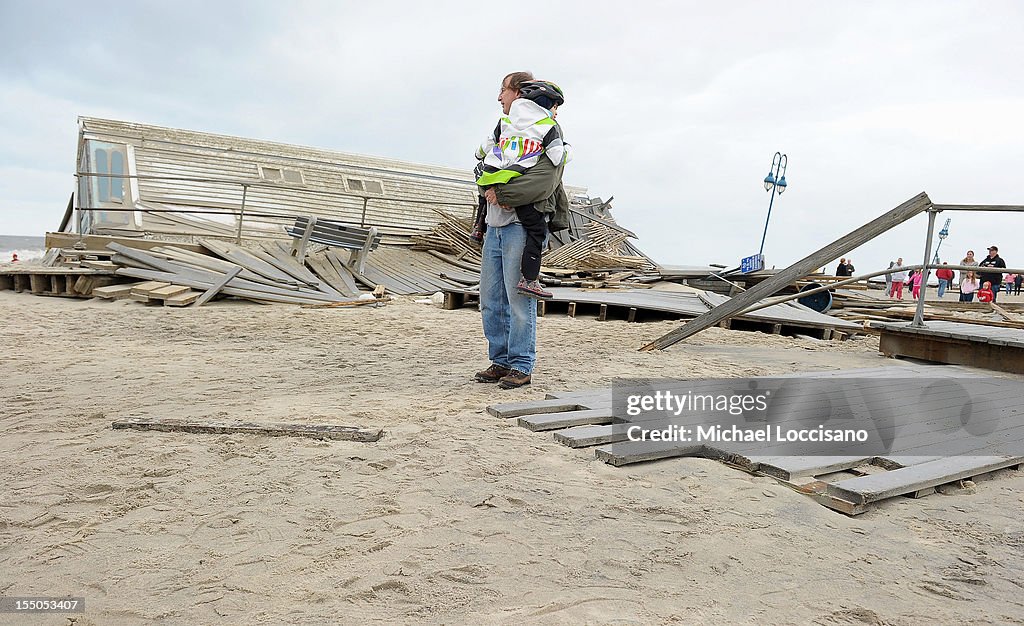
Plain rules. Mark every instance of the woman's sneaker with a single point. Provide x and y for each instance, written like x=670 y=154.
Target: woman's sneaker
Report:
x=533 y=288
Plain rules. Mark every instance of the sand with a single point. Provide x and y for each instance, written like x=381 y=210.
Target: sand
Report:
x=455 y=516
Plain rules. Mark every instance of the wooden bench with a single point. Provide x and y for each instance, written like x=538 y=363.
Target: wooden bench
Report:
x=361 y=240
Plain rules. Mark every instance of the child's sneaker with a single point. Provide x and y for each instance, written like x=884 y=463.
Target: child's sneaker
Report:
x=533 y=288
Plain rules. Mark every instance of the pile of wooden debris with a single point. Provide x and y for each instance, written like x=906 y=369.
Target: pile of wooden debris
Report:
x=865 y=307
x=178 y=274
x=593 y=251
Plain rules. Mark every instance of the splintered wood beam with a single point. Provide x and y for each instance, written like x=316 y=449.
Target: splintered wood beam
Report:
x=801 y=268
x=314 y=431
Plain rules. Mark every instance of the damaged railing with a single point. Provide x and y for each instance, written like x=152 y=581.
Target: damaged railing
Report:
x=241 y=214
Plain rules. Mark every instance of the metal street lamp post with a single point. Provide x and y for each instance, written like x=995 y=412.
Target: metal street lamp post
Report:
x=774 y=181
x=942 y=237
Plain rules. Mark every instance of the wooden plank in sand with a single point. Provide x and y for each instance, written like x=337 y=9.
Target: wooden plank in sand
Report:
x=566 y=419
x=280 y=252
x=180 y=274
x=518 y=409
x=217 y=287
x=169 y=291
x=113 y=292
x=293 y=269
x=214 y=264
x=351 y=289
x=271 y=429
x=595 y=435
x=326 y=272
x=866 y=489
x=240 y=256
x=140 y=291
x=206 y=281
x=183 y=299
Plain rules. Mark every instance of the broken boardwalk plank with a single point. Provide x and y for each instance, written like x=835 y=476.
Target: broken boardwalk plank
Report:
x=272 y=429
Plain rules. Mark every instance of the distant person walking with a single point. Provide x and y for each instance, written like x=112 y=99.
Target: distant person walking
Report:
x=993 y=260
x=849 y=267
x=888 y=280
x=897 y=280
x=1008 y=283
x=1017 y=283
x=968 y=286
x=841 y=268
x=945 y=277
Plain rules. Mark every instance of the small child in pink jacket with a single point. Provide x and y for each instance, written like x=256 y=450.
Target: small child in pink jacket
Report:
x=917 y=284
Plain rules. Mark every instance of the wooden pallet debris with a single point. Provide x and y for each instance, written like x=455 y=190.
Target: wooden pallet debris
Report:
x=67 y=282
x=601 y=248
x=313 y=431
x=450 y=236
x=593 y=243
x=849 y=484
x=140 y=292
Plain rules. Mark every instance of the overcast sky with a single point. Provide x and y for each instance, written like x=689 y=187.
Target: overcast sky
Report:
x=674 y=108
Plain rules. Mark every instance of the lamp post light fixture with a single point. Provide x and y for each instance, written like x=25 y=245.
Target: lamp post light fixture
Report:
x=774 y=182
x=942 y=237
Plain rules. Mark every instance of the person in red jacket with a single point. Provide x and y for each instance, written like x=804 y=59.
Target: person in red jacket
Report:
x=985 y=293
x=945 y=277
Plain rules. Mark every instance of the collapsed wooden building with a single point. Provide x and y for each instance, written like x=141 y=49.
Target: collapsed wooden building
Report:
x=193 y=215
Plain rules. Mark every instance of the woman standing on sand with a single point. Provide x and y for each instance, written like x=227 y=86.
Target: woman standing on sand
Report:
x=967 y=260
